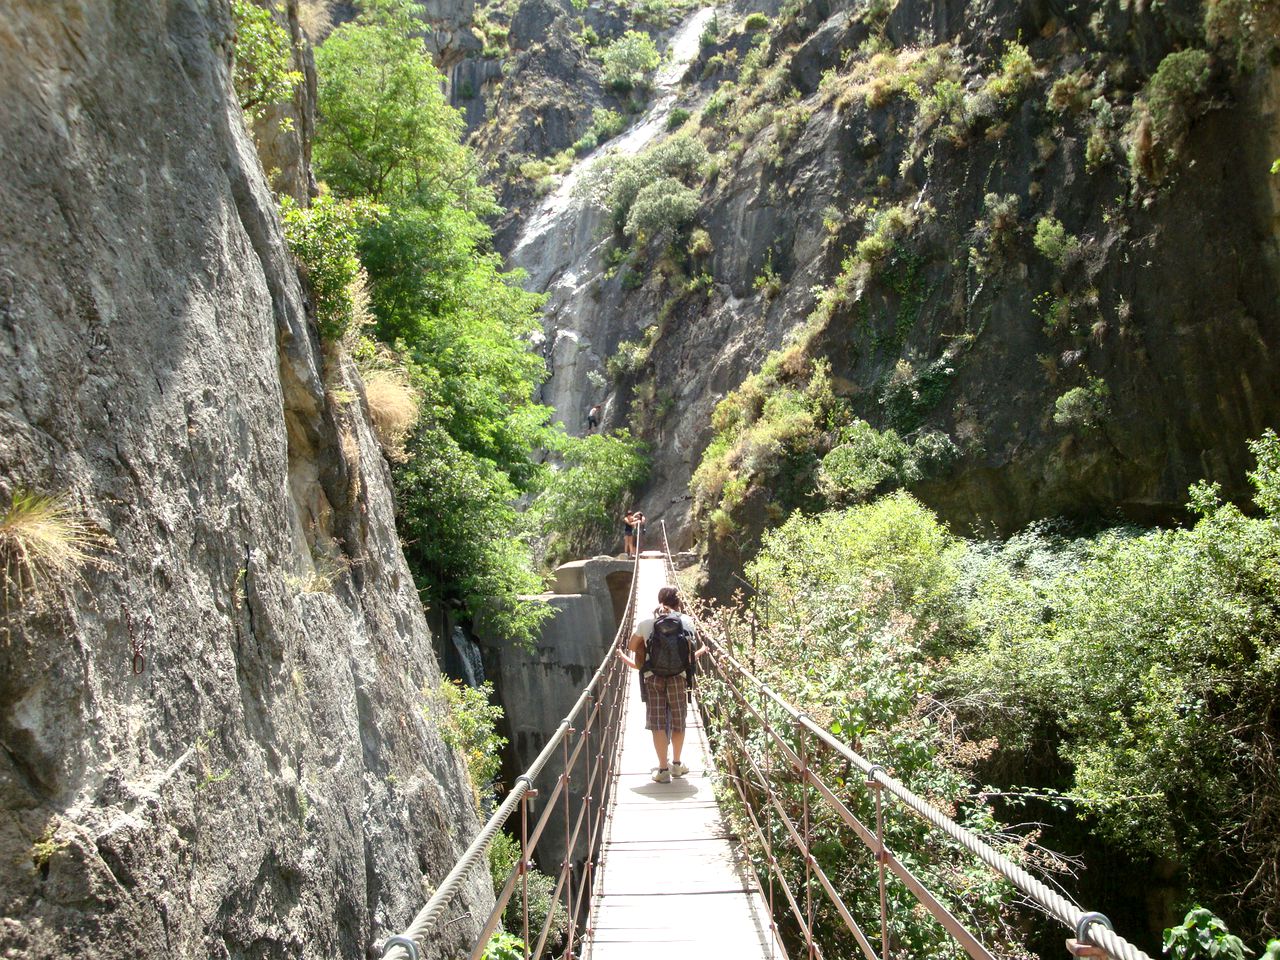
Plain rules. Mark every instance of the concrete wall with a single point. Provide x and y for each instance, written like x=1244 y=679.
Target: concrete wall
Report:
x=538 y=686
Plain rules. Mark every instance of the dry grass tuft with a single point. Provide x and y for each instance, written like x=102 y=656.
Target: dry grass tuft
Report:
x=393 y=408
x=43 y=539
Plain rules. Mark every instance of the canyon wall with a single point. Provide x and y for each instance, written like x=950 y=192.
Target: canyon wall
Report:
x=221 y=738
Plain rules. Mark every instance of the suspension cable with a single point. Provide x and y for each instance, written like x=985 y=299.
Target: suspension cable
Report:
x=1089 y=927
x=404 y=946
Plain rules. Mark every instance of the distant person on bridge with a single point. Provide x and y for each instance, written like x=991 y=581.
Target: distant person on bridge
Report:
x=662 y=649
x=632 y=522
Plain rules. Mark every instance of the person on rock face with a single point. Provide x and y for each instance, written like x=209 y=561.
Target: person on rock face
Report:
x=663 y=649
x=593 y=418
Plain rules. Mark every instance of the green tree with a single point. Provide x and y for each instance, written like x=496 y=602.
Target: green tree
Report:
x=264 y=71
x=628 y=59
x=578 y=508
x=440 y=299
x=385 y=130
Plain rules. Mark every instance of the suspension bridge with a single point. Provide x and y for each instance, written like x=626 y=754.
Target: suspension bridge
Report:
x=659 y=870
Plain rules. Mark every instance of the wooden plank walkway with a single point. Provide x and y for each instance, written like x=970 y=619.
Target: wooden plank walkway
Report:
x=672 y=883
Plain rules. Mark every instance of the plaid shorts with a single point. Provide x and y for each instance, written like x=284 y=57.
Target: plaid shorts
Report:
x=666 y=702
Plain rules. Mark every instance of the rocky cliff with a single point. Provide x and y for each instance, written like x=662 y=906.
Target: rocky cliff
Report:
x=1097 y=378
x=270 y=781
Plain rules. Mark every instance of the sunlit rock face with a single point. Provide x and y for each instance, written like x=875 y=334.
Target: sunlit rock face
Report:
x=1172 y=292
x=222 y=739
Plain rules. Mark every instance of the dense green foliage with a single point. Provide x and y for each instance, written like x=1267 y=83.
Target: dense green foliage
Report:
x=661 y=174
x=264 y=71
x=504 y=946
x=784 y=431
x=629 y=59
x=323 y=239
x=386 y=131
x=929 y=653
x=469 y=725
x=458 y=325
x=854 y=604
x=580 y=502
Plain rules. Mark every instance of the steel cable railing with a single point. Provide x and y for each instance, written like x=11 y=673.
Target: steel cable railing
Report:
x=598 y=712
x=750 y=775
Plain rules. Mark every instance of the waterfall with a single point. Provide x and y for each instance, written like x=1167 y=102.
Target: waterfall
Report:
x=560 y=246
x=469 y=657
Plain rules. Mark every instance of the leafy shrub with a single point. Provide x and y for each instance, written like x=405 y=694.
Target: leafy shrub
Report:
x=1070 y=93
x=324 y=239
x=504 y=946
x=854 y=602
x=438 y=292
x=661 y=208
x=909 y=395
x=932 y=452
x=863 y=460
x=606 y=124
x=628 y=59
x=617 y=183
x=264 y=71
x=1055 y=312
x=700 y=244
x=1180 y=79
x=1164 y=109
x=883 y=228
x=460 y=529
x=469 y=725
x=1054 y=242
x=720 y=101
x=1082 y=407
x=628 y=359
x=1016 y=73
x=386 y=128
x=1202 y=936
x=1175 y=634
x=579 y=503
x=710 y=33
x=768 y=432
x=755 y=22
x=677 y=117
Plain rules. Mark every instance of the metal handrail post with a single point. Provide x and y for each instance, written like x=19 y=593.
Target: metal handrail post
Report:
x=881 y=863
x=525 y=861
x=569 y=843
x=803 y=744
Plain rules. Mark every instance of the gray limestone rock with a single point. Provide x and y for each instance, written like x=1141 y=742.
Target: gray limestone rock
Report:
x=272 y=782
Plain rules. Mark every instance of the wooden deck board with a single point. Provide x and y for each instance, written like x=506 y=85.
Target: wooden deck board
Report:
x=672 y=884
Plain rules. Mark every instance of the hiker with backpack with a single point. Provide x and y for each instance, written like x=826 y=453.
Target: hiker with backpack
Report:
x=662 y=649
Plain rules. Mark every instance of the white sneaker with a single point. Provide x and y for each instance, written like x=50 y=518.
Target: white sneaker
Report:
x=678 y=769
x=662 y=775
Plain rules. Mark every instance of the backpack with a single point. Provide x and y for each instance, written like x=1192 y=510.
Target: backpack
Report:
x=669 y=649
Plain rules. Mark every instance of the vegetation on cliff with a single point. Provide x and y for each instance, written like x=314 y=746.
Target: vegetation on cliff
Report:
x=1131 y=673
x=398 y=258
x=1146 y=657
